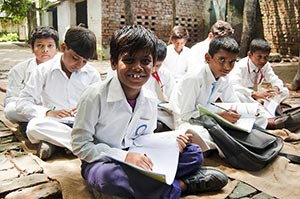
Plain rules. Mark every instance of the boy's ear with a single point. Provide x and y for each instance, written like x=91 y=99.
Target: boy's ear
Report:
x=63 y=47
x=113 y=64
x=249 y=54
x=207 y=57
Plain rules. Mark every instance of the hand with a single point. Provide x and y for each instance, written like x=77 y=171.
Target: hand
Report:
x=60 y=113
x=140 y=160
x=183 y=140
x=231 y=115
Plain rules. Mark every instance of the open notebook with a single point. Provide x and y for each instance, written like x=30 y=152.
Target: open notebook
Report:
x=162 y=149
x=248 y=112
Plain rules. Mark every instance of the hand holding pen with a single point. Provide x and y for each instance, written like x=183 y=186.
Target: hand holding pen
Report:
x=230 y=115
x=141 y=160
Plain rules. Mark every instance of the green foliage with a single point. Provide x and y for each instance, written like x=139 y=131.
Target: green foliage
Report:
x=16 y=9
x=9 y=37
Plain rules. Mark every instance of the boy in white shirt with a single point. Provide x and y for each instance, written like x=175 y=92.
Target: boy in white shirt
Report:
x=44 y=45
x=178 y=55
x=113 y=113
x=219 y=29
x=162 y=83
x=249 y=73
x=208 y=85
x=53 y=90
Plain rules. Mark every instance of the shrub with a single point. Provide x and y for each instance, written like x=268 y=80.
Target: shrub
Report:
x=9 y=37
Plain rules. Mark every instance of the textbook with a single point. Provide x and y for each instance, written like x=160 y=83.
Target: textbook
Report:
x=248 y=112
x=162 y=148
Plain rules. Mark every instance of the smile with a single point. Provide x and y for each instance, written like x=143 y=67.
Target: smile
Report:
x=136 y=76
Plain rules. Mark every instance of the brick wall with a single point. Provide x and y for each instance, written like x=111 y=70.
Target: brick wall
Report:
x=281 y=21
x=156 y=15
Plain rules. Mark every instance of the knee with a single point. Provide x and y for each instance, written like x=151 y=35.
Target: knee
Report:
x=194 y=153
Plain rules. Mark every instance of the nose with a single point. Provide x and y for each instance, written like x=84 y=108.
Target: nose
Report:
x=137 y=67
x=227 y=66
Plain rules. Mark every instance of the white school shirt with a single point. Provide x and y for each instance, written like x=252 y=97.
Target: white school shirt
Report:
x=198 y=52
x=176 y=63
x=168 y=83
x=17 y=76
x=49 y=87
x=105 y=122
x=195 y=88
x=242 y=77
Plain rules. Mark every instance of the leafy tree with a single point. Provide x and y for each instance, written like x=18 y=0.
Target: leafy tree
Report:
x=16 y=9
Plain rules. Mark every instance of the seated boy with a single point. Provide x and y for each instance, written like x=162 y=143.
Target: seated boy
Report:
x=110 y=116
x=198 y=51
x=53 y=90
x=44 y=46
x=208 y=85
x=178 y=55
x=249 y=73
x=162 y=83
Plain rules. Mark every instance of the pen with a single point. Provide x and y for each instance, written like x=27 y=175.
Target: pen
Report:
x=224 y=109
x=53 y=108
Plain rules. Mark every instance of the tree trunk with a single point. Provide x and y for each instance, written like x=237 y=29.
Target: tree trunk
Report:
x=174 y=13
x=129 y=14
x=296 y=81
x=249 y=24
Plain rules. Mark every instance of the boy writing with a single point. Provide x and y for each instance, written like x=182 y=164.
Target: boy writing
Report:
x=208 y=85
x=249 y=73
x=110 y=116
x=44 y=45
x=53 y=90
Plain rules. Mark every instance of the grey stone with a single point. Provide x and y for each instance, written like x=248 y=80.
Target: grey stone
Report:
x=263 y=196
x=48 y=190
x=242 y=190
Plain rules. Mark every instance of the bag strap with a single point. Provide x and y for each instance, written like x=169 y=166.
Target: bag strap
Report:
x=293 y=158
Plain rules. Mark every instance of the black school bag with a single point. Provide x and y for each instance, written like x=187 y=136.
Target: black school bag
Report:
x=248 y=151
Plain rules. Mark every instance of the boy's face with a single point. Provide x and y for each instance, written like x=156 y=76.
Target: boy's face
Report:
x=178 y=44
x=44 y=49
x=156 y=66
x=259 y=58
x=71 y=60
x=133 y=71
x=221 y=63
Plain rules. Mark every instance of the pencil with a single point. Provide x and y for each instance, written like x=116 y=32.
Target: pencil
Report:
x=224 y=109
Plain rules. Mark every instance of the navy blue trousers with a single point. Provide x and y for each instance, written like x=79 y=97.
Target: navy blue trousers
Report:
x=120 y=180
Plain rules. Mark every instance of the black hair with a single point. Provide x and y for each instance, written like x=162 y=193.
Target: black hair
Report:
x=225 y=43
x=44 y=32
x=179 y=32
x=161 y=50
x=259 y=44
x=221 y=29
x=131 y=39
x=82 y=41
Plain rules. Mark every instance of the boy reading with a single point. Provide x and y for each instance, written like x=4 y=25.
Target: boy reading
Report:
x=113 y=113
x=249 y=73
x=53 y=90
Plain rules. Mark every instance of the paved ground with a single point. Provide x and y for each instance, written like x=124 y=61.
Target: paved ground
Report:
x=22 y=175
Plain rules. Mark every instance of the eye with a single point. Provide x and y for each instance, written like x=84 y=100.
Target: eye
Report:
x=146 y=61
x=221 y=59
x=40 y=46
x=75 y=58
x=232 y=62
x=50 y=46
x=128 y=60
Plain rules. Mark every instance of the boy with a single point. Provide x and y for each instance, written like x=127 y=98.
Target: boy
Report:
x=249 y=73
x=44 y=45
x=208 y=85
x=109 y=118
x=177 y=59
x=218 y=29
x=162 y=83
x=52 y=91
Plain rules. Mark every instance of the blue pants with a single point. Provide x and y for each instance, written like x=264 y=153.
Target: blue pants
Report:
x=121 y=180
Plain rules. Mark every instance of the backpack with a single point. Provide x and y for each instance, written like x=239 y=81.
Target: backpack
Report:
x=249 y=151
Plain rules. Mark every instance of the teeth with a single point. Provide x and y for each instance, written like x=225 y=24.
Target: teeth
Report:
x=136 y=76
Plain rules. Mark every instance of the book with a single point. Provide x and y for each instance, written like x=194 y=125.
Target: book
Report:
x=162 y=148
x=248 y=112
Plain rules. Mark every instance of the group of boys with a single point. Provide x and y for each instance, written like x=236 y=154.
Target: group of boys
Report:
x=109 y=113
